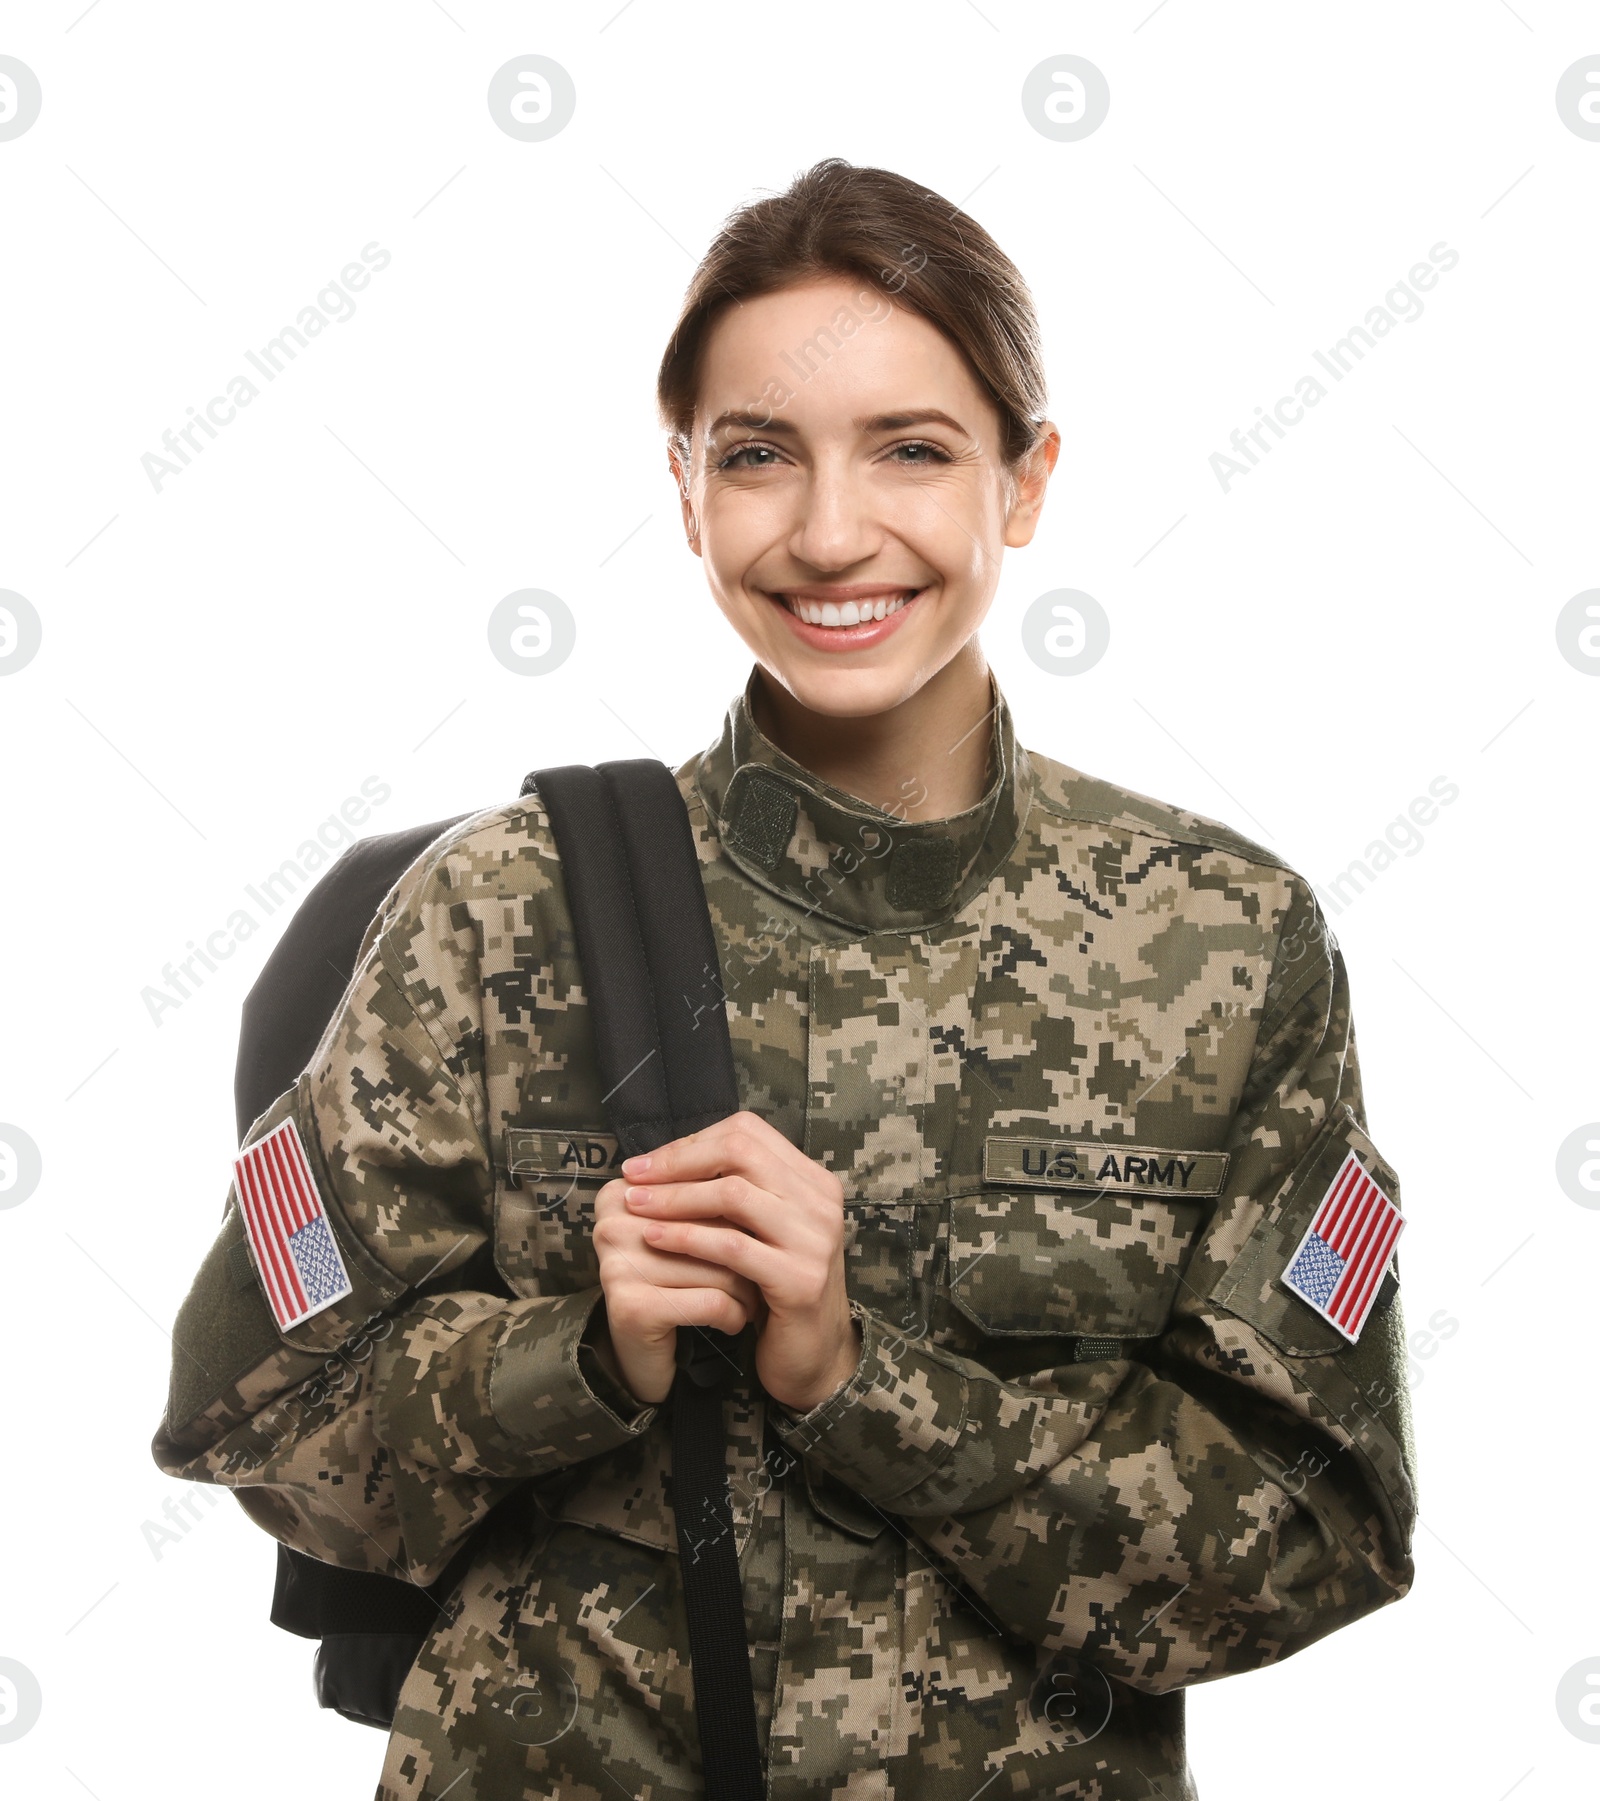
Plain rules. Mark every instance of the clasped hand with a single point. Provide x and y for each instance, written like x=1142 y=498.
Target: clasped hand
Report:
x=719 y=1228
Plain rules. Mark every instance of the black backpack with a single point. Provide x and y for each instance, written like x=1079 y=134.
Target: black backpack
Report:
x=668 y=1069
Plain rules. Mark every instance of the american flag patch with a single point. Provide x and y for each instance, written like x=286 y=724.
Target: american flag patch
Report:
x=294 y=1246
x=1339 y=1264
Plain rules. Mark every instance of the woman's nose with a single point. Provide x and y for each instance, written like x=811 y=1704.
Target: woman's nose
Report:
x=837 y=526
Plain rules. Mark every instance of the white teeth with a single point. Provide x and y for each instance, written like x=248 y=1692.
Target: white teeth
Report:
x=827 y=612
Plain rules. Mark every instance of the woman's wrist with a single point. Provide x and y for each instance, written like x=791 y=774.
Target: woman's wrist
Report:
x=848 y=1362
x=605 y=1351
x=597 y=1340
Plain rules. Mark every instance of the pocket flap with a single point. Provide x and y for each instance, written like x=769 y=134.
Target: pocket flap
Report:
x=628 y=1491
x=1041 y=1263
x=840 y=1505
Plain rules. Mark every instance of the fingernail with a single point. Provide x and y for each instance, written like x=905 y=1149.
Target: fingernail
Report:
x=636 y=1197
x=636 y=1166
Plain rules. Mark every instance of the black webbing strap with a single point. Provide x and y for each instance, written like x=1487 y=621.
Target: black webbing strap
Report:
x=646 y=945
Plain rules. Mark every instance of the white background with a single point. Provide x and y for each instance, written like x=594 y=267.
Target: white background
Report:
x=224 y=661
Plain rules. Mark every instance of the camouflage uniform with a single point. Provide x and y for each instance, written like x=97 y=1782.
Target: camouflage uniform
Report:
x=1085 y=1066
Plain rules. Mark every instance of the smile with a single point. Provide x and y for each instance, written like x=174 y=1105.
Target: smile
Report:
x=849 y=612
x=854 y=619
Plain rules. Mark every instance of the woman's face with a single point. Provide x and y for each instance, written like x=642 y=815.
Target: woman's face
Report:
x=846 y=492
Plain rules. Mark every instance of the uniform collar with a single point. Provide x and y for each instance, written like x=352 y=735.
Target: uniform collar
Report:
x=843 y=858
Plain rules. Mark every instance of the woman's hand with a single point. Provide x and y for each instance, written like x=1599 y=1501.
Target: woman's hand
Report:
x=650 y=1293
x=740 y=1199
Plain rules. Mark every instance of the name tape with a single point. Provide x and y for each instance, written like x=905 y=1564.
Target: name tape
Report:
x=1093 y=1163
x=531 y=1152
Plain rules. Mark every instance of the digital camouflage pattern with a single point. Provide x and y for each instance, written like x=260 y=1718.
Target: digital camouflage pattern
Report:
x=1085 y=1065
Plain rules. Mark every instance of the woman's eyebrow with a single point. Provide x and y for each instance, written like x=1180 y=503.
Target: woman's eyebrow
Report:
x=872 y=424
x=929 y=415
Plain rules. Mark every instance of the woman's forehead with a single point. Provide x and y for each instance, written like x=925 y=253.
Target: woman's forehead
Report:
x=837 y=354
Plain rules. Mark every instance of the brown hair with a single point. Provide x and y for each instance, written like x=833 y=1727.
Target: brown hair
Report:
x=929 y=256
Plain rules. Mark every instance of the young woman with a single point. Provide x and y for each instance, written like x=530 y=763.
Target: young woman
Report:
x=1068 y=1388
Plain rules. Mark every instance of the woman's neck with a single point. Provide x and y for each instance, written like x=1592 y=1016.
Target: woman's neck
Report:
x=927 y=758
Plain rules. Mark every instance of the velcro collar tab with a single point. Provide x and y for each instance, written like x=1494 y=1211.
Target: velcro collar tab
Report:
x=844 y=859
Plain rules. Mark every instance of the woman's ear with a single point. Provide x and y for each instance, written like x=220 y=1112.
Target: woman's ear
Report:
x=1028 y=484
x=680 y=476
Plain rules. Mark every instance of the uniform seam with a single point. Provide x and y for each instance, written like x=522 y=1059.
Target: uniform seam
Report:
x=811 y=1037
x=485 y=822
x=368 y=1261
x=1374 y=1422
x=476 y=1103
x=947 y=1451
x=1315 y=975
x=572 y=1369
x=1260 y=856
x=1318 y=969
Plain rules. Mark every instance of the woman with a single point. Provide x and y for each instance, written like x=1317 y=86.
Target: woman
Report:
x=1046 y=1085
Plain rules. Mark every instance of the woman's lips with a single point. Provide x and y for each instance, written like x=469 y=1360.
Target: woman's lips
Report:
x=864 y=633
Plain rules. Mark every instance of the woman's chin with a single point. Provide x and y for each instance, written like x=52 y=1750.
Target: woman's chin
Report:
x=841 y=691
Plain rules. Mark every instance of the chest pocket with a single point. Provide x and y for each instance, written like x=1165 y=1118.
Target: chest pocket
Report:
x=1077 y=1238
x=544 y=1209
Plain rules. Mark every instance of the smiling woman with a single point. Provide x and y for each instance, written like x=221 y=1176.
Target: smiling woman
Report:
x=1078 y=1369
x=852 y=520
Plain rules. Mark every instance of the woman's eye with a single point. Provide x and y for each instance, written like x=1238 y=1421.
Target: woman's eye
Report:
x=931 y=453
x=920 y=455
x=731 y=460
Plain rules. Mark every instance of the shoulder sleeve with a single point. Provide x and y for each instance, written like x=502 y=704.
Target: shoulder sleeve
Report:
x=379 y=1428
x=1300 y=1122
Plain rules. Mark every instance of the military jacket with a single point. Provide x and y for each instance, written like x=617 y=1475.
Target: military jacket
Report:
x=1084 y=1065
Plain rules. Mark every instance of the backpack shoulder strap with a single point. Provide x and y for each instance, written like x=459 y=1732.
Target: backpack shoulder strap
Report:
x=647 y=947
x=648 y=951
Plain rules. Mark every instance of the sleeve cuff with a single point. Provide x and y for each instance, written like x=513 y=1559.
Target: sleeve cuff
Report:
x=548 y=1388
x=890 y=1428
